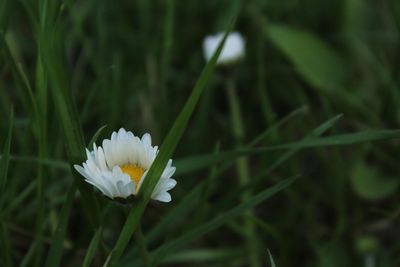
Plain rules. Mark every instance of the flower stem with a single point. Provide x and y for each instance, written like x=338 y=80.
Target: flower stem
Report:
x=242 y=167
x=143 y=247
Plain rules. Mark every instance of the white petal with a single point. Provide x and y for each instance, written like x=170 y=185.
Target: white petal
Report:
x=114 y=136
x=119 y=175
x=163 y=197
x=125 y=189
x=164 y=185
x=121 y=133
x=169 y=170
x=146 y=140
x=111 y=184
x=234 y=47
x=115 y=151
x=89 y=154
x=101 y=159
x=82 y=171
x=92 y=180
x=103 y=189
x=132 y=151
x=169 y=184
x=91 y=168
x=107 y=153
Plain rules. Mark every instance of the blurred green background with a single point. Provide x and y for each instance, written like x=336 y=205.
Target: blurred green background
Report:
x=133 y=64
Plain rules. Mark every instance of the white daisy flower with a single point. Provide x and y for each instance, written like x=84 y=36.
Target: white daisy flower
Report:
x=233 y=50
x=119 y=167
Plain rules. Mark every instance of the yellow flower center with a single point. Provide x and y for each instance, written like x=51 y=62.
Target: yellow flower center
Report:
x=134 y=171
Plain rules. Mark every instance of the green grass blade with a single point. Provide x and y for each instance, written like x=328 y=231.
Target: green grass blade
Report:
x=28 y=256
x=271 y=259
x=94 y=243
x=25 y=89
x=186 y=204
x=55 y=253
x=16 y=202
x=191 y=199
x=278 y=124
x=166 y=54
x=50 y=40
x=179 y=126
x=189 y=164
x=321 y=129
x=162 y=158
x=96 y=136
x=282 y=159
x=220 y=220
x=342 y=139
x=53 y=163
x=204 y=255
x=197 y=195
x=5 y=159
x=195 y=163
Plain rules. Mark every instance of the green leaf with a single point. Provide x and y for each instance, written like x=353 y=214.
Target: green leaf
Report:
x=166 y=150
x=94 y=243
x=319 y=64
x=368 y=183
x=220 y=220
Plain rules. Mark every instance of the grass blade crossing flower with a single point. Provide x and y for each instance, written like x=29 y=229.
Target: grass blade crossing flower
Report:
x=119 y=167
x=233 y=50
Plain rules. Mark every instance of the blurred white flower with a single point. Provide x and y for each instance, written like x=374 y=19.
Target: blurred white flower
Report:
x=233 y=50
x=119 y=167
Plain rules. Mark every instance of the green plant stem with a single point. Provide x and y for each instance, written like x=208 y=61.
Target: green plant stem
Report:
x=265 y=102
x=41 y=123
x=242 y=168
